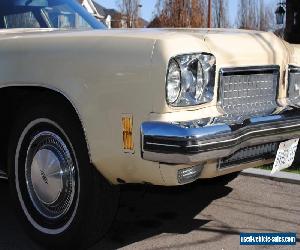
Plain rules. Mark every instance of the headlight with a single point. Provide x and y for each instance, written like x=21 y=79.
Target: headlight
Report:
x=294 y=86
x=173 y=79
x=190 y=79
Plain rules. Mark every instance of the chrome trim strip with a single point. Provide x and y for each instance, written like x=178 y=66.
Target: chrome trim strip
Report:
x=250 y=70
x=247 y=134
x=169 y=143
x=162 y=144
x=3 y=175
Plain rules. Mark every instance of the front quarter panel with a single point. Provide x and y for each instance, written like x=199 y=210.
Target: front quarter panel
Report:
x=104 y=74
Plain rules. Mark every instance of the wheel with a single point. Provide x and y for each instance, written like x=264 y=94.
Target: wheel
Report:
x=62 y=200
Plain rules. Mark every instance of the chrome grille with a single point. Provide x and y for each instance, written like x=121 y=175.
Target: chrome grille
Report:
x=265 y=151
x=294 y=85
x=247 y=92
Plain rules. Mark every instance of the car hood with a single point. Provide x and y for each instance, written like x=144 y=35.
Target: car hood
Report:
x=232 y=47
x=240 y=47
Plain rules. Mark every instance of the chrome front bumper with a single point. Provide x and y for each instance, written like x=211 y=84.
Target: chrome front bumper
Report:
x=170 y=143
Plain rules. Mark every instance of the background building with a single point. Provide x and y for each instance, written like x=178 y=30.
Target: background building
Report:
x=116 y=18
x=111 y=17
x=89 y=5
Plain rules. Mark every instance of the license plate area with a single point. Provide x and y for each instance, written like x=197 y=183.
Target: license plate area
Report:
x=285 y=155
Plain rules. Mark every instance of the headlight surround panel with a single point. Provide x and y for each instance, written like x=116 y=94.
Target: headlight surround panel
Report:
x=197 y=79
x=294 y=86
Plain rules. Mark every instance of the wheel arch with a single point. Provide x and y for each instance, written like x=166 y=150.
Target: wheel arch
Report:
x=14 y=96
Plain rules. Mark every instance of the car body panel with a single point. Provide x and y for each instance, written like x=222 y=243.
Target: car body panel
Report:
x=98 y=75
x=108 y=73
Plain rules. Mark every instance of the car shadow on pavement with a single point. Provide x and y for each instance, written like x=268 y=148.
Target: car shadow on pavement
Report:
x=151 y=211
x=144 y=212
x=12 y=236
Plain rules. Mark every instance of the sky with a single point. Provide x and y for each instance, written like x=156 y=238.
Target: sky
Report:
x=148 y=7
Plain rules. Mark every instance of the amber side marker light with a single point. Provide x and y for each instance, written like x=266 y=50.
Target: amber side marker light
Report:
x=127 y=122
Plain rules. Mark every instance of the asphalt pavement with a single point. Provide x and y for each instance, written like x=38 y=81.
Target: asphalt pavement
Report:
x=204 y=215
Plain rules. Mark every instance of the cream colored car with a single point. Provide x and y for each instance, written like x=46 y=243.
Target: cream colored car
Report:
x=84 y=110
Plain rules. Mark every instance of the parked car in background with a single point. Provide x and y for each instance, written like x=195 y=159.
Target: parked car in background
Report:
x=85 y=109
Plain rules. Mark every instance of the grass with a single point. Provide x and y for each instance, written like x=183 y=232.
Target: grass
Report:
x=293 y=169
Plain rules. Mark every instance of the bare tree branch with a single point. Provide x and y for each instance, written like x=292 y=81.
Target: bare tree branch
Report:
x=220 y=14
x=254 y=14
x=130 y=9
x=179 y=13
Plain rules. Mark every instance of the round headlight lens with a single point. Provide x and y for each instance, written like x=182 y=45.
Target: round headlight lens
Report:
x=173 y=82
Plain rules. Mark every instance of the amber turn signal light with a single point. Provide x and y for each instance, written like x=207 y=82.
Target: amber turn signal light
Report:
x=127 y=133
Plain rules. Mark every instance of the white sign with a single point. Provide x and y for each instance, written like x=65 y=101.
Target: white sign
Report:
x=285 y=155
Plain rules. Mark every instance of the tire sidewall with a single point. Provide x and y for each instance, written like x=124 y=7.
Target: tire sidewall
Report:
x=68 y=129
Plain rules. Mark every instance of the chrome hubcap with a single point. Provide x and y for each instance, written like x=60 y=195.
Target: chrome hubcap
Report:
x=50 y=175
x=46 y=176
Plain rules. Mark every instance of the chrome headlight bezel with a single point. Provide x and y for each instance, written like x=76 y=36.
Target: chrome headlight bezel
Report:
x=197 y=79
x=292 y=96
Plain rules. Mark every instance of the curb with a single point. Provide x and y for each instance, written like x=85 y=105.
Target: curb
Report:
x=279 y=176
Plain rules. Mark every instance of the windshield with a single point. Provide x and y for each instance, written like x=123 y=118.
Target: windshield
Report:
x=60 y=14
